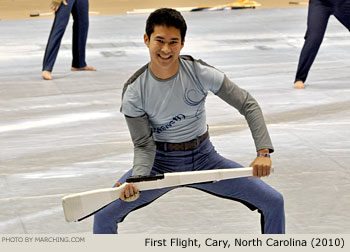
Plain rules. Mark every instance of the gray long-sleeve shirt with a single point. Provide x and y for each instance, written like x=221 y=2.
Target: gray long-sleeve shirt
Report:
x=173 y=110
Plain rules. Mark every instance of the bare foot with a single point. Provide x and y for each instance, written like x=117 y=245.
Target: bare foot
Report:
x=299 y=85
x=46 y=75
x=85 y=68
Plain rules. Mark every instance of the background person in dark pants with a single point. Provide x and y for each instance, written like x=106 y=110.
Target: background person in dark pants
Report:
x=318 y=15
x=80 y=13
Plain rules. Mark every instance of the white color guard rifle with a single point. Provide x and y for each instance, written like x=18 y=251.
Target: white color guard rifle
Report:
x=79 y=206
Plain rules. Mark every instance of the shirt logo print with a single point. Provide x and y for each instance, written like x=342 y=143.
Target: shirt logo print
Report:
x=168 y=125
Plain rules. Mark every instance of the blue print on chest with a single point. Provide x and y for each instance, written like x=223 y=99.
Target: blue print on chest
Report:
x=190 y=99
x=166 y=126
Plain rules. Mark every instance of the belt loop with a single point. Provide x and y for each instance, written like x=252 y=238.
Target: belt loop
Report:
x=198 y=141
x=165 y=146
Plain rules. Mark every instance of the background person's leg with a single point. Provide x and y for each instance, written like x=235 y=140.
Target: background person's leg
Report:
x=318 y=16
x=342 y=13
x=57 y=31
x=80 y=13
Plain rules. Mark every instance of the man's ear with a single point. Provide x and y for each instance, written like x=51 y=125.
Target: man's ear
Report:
x=146 y=39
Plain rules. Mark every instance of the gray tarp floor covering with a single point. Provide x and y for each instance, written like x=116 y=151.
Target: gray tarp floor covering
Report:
x=67 y=135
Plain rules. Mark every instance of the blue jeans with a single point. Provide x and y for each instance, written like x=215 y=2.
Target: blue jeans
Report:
x=253 y=193
x=80 y=14
x=318 y=16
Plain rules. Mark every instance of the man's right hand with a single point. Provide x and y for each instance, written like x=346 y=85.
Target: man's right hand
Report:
x=55 y=4
x=129 y=193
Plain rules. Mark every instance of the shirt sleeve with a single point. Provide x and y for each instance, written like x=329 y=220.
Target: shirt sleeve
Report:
x=247 y=106
x=144 y=145
x=209 y=77
x=131 y=101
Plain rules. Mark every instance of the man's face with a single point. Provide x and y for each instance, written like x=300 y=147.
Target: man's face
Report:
x=164 y=46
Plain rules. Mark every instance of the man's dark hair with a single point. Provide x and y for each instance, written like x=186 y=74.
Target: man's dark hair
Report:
x=168 y=17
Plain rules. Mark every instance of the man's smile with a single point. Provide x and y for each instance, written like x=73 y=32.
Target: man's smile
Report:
x=165 y=57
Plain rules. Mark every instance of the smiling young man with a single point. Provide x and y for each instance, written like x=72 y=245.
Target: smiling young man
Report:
x=163 y=103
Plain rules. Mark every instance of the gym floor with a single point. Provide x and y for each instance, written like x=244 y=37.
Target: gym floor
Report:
x=67 y=135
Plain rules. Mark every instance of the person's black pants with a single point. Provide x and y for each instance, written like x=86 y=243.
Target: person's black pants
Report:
x=318 y=15
x=80 y=13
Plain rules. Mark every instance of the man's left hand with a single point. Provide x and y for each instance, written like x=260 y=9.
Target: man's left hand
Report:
x=261 y=166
